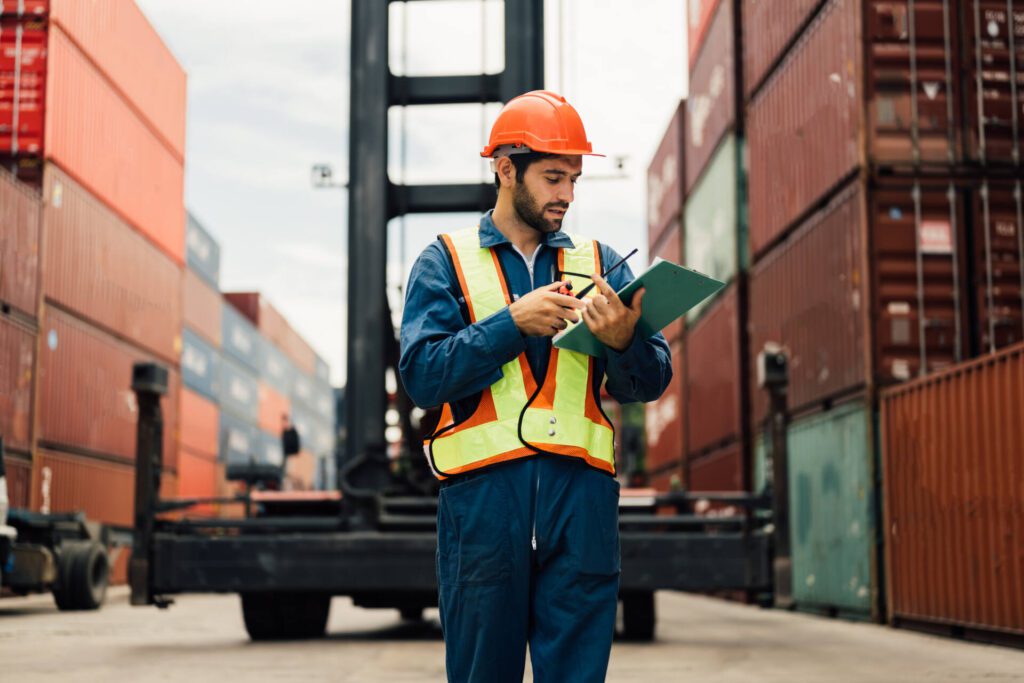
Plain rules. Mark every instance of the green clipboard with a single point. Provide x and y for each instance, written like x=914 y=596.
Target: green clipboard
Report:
x=672 y=290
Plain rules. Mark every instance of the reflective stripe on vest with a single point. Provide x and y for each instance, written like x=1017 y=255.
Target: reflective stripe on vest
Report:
x=515 y=418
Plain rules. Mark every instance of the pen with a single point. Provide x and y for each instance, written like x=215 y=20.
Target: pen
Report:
x=585 y=290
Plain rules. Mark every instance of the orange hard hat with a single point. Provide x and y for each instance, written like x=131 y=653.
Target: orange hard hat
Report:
x=541 y=121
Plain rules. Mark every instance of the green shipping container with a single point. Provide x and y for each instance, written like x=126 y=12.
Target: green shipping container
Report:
x=716 y=234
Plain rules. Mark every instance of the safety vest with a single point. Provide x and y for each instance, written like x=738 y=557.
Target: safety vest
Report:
x=516 y=418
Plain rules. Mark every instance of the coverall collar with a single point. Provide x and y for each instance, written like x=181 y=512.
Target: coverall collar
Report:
x=490 y=236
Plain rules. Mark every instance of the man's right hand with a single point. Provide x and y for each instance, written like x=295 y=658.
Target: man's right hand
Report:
x=544 y=312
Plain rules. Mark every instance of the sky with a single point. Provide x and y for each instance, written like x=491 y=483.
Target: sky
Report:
x=268 y=95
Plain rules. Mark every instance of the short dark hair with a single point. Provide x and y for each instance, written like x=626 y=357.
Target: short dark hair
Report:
x=521 y=162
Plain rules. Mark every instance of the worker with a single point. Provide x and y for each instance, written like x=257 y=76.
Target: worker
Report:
x=528 y=541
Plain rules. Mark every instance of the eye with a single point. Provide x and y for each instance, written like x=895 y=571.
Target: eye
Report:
x=552 y=181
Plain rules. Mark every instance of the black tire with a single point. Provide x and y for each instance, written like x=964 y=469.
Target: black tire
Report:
x=83 y=573
x=285 y=616
x=411 y=613
x=638 y=617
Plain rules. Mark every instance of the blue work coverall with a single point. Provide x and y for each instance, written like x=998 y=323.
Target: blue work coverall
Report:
x=528 y=550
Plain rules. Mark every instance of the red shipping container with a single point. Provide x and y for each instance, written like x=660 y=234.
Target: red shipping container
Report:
x=273 y=408
x=813 y=294
x=17 y=356
x=670 y=248
x=699 y=17
x=274 y=327
x=720 y=470
x=714 y=383
x=199 y=424
x=711 y=104
x=202 y=308
x=663 y=419
x=998 y=218
x=125 y=47
x=98 y=267
x=197 y=478
x=24 y=8
x=22 y=86
x=669 y=479
x=806 y=127
x=665 y=180
x=66 y=482
x=94 y=135
x=85 y=397
x=953 y=466
x=19 y=245
x=768 y=27
x=19 y=481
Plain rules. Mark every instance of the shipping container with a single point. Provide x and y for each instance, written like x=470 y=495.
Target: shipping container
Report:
x=239 y=339
x=322 y=404
x=24 y=8
x=768 y=28
x=953 y=464
x=199 y=424
x=277 y=370
x=238 y=440
x=94 y=135
x=302 y=390
x=997 y=221
x=22 y=86
x=668 y=479
x=994 y=57
x=126 y=49
x=201 y=307
x=305 y=424
x=67 y=482
x=270 y=449
x=719 y=470
x=202 y=251
x=200 y=366
x=715 y=219
x=17 y=356
x=274 y=409
x=664 y=426
x=714 y=387
x=97 y=267
x=85 y=398
x=300 y=471
x=323 y=370
x=698 y=21
x=665 y=180
x=19 y=480
x=239 y=391
x=711 y=106
x=808 y=128
x=832 y=512
x=197 y=478
x=847 y=321
x=19 y=245
x=269 y=321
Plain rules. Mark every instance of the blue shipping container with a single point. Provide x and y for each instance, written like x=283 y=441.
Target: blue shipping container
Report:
x=240 y=340
x=202 y=253
x=277 y=370
x=239 y=441
x=200 y=365
x=239 y=391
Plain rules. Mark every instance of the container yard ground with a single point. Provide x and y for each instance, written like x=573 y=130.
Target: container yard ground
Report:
x=202 y=638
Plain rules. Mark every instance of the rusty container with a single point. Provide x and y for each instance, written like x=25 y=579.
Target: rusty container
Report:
x=96 y=136
x=17 y=356
x=199 y=423
x=719 y=470
x=769 y=27
x=670 y=248
x=197 y=478
x=711 y=103
x=664 y=419
x=124 y=46
x=698 y=21
x=201 y=307
x=19 y=245
x=273 y=408
x=714 y=391
x=847 y=321
x=19 y=480
x=272 y=325
x=665 y=180
x=866 y=84
x=993 y=56
x=98 y=267
x=953 y=467
x=67 y=482
x=997 y=213
x=85 y=401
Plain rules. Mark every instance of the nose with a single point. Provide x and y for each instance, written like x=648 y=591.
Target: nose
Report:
x=566 y=191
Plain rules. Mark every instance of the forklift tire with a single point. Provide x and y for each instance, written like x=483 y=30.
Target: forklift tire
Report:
x=638 y=617
x=83 y=572
x=285 y=616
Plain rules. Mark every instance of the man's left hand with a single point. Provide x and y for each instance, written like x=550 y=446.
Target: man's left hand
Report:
x=611 y=321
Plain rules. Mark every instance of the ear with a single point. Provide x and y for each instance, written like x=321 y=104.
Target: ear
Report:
x=506 y=171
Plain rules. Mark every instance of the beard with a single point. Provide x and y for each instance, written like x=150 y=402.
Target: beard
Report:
x=533 y=215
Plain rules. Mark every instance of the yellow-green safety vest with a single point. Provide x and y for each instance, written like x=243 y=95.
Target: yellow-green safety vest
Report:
x=516 y=418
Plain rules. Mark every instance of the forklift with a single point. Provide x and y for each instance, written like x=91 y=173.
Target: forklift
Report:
x=374 y=538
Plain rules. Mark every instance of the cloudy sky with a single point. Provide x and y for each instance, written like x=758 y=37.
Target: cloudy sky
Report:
x=268 y=97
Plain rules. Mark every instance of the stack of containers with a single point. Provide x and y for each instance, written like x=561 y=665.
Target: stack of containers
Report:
x=717 y=434
x=885 y=230
x=92 y=111
x=241 y=361
x=664 y=429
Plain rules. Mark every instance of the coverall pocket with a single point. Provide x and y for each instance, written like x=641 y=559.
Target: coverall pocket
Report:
x=473 y=542
x=599 y=527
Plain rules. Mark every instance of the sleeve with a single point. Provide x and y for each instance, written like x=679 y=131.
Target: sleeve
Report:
x=643 y=371
x=442 y=358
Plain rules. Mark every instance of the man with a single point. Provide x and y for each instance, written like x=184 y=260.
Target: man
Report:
x=528 y=545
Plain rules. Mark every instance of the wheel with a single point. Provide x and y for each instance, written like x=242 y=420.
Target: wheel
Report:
x=285 y=616
x=411 y=613
x=638 y=617
x=83 y=572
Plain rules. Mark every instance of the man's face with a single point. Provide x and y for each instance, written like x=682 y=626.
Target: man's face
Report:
x=543 y=195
